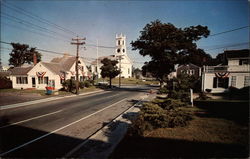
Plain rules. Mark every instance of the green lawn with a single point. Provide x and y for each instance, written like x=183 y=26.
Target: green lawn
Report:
x=218 y=129
x=129 y=81
x=43 y=92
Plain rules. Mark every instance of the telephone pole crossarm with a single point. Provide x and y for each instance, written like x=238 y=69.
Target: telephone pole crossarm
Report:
x=77 y=43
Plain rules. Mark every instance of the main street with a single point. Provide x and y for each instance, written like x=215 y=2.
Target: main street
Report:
x=54 y=128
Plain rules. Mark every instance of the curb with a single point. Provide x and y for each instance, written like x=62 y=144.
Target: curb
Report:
x=99 y=135
x=43 y=100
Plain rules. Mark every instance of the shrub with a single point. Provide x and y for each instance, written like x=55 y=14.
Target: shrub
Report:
x=5 y=83
x=152 y=116
x=171 y=104
x=182 y=95
x=69 y=85
x=163 y=90
x=87 y=84
x=92 y=82
x=203 y=96
x=235 y=93
x=81 y=85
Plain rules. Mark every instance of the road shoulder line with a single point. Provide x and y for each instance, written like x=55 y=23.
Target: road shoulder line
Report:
x=45 y=135
x=43 y=100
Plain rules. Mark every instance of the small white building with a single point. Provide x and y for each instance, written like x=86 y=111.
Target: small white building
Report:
x=124 y=62
x=45 y=74
x=234 y=73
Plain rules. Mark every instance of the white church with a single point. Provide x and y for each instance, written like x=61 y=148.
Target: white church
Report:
x=124 y=62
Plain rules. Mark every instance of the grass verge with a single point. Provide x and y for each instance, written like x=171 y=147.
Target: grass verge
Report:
x=213 y=133
x=43 y=92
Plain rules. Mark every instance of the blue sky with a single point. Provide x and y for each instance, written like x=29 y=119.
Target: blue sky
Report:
x=102 y=20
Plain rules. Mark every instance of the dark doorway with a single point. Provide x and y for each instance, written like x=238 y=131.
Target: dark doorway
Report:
x=33 y=82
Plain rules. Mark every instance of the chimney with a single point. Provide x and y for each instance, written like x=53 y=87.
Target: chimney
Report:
x=34 y=59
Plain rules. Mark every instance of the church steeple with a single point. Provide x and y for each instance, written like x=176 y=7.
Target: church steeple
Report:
x=120 y=44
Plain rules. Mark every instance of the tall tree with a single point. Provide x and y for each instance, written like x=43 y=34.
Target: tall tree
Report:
x=21 y=53
x=167 y=45
x=137 y=73
x=109 y=69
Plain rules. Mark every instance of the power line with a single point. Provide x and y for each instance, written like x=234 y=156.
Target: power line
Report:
x=31 y=31
x=29 y=24
x=36 y=17
x=226 y=46
x=47 y=51
x=229 y=31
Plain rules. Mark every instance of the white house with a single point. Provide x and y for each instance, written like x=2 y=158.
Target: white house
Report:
x=235 y=72
x=189 y=69
x=124 y=62
x=48 y=73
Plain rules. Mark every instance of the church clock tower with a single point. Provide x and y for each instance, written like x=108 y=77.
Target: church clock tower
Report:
x=120 y=45
x=125 y=64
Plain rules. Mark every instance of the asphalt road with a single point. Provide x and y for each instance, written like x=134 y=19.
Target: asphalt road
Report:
x=54 y=128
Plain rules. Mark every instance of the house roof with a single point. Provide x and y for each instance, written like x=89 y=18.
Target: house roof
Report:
x=54 y=67
x=66 y=62
x=20 y=70
x=245 y=53
x=111 y=57
x=188 y=66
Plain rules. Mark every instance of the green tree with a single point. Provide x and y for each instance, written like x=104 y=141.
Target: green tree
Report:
x=137 y=73
x=109 y=69
x=21 y=53
x=167 y=45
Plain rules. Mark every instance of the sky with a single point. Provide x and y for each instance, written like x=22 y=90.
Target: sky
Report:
x=101 y=20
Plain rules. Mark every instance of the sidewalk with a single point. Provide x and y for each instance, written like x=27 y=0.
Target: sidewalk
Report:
x=21 y=104
x=103 y=142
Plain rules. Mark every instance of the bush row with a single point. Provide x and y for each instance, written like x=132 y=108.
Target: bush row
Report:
x=160 y=113
x=70 y=84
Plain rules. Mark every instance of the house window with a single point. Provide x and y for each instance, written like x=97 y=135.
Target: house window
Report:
x=72 y=77
x=46 y=80
x=192 y=72
x=220 y=82
x=128 y=71
x=233 y=81
x=247 y=81
x=40 y=80
x=119 y=42
x=244 y=62
x=81 y=78
x=43 y=80
x=21 y=80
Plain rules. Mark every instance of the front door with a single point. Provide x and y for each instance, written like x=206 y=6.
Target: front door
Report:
x=33 y=82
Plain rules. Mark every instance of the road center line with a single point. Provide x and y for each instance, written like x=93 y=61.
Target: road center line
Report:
x=45 y=135
x=30 y=119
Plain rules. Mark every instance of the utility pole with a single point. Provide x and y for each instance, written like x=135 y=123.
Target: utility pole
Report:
x=77 y=43
x=97 y=52
x=120 y=58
